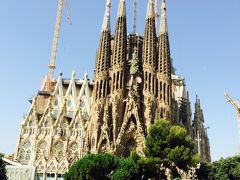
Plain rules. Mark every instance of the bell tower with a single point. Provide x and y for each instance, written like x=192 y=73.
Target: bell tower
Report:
x=118 y=69
x=164 y=81
x=149 y=58
x=101 y=84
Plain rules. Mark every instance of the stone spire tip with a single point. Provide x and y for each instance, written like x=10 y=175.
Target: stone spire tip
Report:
x=106 y=20
x=163 y=24
x=122 y=8
x=150 y=9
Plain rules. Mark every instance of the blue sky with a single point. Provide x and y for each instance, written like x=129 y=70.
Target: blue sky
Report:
x=204 y=40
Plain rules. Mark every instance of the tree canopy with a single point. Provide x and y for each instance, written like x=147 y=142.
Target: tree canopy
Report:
x=171 y=144
x=166 y=147
x=2 y=168
x=223 y=169
x=93 y=166
x=103 y=166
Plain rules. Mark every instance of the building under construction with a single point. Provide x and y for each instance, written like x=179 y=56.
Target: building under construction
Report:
x=134 y=84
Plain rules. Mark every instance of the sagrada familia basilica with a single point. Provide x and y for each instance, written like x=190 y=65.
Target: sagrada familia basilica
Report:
x=134 y=85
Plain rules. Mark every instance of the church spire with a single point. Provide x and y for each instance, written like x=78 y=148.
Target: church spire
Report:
x=164 y=67
x=150 y=38
x=149 y=58
x=119 y=57
x=150 y=9
x=122 y=8
x=106 y=21
x=163 y=23
x=164 y=58
x=103 y=56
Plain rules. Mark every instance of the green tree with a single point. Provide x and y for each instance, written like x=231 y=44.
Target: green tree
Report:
x=126 y=170
x=203 y=171
x=150 y=167
x=104 y=166
x=223 y=169
x=93 y=166
x=171 y=146
x=2 y=168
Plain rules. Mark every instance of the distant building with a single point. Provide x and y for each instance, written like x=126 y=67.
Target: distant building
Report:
x=134 y=84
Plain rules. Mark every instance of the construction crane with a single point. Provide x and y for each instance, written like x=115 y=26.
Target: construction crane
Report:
x=237 y=107
x=56 y=36
x=134 y=16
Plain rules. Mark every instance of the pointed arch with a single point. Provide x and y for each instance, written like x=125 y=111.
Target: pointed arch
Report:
x=52 y=165
x=41 y=165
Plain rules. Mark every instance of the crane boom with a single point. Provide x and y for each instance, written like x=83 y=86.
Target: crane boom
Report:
x=232 y=102
x=55 y=40
x=69 y=18
x=238 y=117
x=134 y=16
x=56 y=36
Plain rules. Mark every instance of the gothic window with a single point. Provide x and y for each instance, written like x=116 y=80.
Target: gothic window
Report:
x=100 y=90
x=164 y=92
x=30 y=124
x=40 y=167
x=74 y=147
x=40 y=176
x=71 y=92
x=121 y=79
x=46 y=124
x=81 y=142
x=114 y=81
x=41 y=148
x=55 y=113
x=56 y=102
x=153 y=85
x=81 y=133
x=42 y=145
x=93 y=142
x=161 y=90
x=69 y=103
x=149 y=82
x=117 y=80
x=58 y=150
x=168 y=95
x=77 y=125
x=62 y=168
x=157 y=87
x=28 y=155
x=73 y=152
x=60 y=176
x=58 y=91
x=104 y=88
x=97 y=91
x=26 y=144
x=21 y=155
x=108 y=86
x=25 y=152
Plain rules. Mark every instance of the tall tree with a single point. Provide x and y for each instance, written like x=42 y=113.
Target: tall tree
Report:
x=170 y=146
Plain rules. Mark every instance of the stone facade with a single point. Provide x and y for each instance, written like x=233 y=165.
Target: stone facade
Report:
x=51 y=135
x=134 y=84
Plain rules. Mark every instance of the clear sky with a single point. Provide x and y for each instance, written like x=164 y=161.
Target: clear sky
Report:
x=204 y=40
